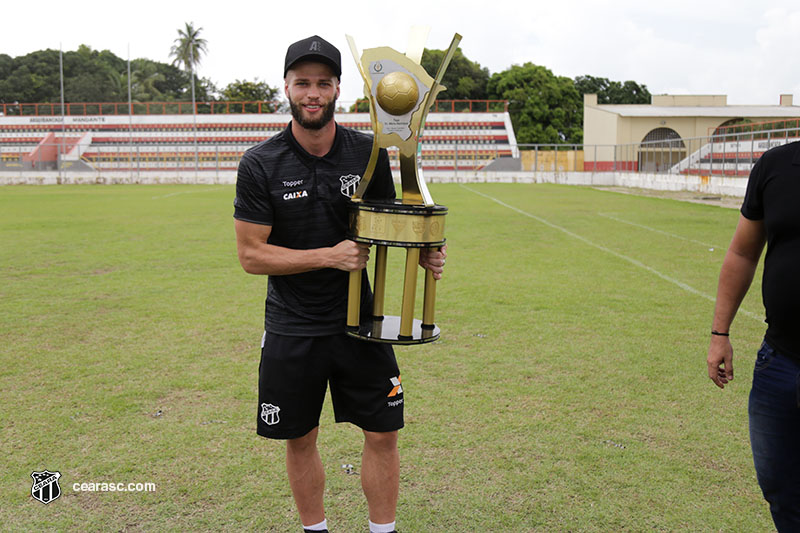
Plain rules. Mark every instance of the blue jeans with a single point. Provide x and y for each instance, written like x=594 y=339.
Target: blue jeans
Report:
x=774 y=410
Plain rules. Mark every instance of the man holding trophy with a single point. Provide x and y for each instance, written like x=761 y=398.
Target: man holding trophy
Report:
x=291 y=211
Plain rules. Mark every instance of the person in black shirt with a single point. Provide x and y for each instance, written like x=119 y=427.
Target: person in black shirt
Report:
x=770 y=216
x=292 y=193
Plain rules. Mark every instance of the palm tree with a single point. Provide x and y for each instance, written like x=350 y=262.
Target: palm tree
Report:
x=143 y=82
x=188 y=49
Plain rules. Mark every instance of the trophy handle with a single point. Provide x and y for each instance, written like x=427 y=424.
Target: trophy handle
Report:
x=373 y=156
x=451 y=51
x=416 y=42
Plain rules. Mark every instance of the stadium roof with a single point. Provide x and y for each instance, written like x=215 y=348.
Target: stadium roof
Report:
x=765 y=111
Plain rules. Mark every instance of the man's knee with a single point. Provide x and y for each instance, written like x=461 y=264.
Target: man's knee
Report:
x=303 y=445
x=383 y=441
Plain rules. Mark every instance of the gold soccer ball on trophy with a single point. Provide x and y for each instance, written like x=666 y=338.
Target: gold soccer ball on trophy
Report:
x=397 y=93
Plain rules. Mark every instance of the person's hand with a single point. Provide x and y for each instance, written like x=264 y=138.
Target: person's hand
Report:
x=433 y=260
x=720 y=360
x=349 y=255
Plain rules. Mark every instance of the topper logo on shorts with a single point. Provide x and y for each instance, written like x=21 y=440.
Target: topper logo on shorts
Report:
x=398 y=389
x=269 y=414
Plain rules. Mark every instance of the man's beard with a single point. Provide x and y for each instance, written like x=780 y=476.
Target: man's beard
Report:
x=317 y=123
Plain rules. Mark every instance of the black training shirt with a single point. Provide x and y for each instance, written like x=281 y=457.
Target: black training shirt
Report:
x=773 y=195
x=304 y=198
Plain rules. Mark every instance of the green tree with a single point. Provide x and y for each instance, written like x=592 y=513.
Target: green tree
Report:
x=118 y=82
x=6 y=66
x=169 y=80
x=87 y=74
x=544 y=108
x=188 y=48
x=252 y=91
x=144 y=82
x=613 y=92
x=361 y=106
x=464 y=79
x=93 y=76
x=33 y=77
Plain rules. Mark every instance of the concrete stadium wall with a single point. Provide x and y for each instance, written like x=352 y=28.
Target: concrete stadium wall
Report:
x=717 y=185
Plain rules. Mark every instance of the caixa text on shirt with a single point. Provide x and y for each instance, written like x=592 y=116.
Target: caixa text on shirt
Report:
x=296 y=194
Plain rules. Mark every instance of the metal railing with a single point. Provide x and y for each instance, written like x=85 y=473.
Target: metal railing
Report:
x=214 y=107
x=724 y=154
x=139 y=108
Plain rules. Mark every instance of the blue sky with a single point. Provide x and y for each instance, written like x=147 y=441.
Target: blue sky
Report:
x=739 y=48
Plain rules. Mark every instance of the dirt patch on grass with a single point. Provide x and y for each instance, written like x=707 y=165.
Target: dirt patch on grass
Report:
x=731 y=202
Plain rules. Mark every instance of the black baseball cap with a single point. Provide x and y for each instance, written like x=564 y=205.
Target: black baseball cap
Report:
x=314 y=48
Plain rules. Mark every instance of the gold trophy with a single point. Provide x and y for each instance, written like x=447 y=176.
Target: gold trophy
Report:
x=400 y=93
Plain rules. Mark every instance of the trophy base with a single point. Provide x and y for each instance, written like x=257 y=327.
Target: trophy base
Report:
x=387 y=330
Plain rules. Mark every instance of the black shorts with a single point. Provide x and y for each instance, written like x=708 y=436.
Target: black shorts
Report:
x=294 y=374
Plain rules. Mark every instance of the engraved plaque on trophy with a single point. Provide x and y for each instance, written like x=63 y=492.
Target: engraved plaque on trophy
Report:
x=400 y=93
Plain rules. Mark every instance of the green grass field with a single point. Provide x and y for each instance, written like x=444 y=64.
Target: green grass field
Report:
x=568 y=391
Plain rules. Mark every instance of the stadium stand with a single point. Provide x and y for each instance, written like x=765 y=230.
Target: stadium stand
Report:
x=152 y=142
x=731 y=150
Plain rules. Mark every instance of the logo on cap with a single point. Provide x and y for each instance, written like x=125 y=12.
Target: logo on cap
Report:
x=315 y=46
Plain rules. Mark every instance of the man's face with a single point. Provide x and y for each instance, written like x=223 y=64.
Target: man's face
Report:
x=312 y=90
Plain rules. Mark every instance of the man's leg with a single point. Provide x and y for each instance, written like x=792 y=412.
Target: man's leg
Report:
x=380 y=475
x=774 y=410
x=306 y=476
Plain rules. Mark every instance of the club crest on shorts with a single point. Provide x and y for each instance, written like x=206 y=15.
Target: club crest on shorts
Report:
x=269 y=414
x=349 y=184
x=45 y=486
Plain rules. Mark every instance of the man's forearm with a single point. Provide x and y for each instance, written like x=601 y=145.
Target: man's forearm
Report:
x=271 y=260
x=735 y=278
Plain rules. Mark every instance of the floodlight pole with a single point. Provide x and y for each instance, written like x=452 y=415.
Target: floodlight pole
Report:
x=63 y=119
x=130 y=117
x=194 y=107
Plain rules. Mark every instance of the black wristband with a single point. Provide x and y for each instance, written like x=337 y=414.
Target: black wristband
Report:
x=719 y=333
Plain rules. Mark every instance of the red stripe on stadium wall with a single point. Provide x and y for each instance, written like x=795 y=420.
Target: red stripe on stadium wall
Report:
x=610 y=166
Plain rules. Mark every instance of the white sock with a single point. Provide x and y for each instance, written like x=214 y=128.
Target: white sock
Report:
x=318 y=527
x=381 y=528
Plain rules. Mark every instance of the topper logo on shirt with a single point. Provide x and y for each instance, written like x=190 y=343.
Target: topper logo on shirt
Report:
x=296 y=194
